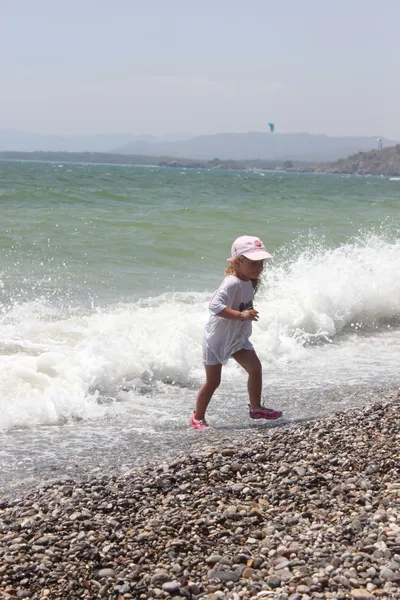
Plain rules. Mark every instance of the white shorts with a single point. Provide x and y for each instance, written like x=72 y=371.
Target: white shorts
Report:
x=209 y=357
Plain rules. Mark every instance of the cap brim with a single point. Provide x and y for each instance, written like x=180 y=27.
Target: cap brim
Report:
x=257 y=255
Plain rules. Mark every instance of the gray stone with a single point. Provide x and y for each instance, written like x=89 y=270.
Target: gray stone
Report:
x=213 y=559
x=225 y=576
x=303 y=589
x=123 y=589
x=361 y=594
x=386 y=574
x=43 y=541
x=159 y=577
x=172 y=587
x=106 y=573
x=342 y=580
x=274 y=582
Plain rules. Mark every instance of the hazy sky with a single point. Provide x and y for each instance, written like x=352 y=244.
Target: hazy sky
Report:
x=200 y=66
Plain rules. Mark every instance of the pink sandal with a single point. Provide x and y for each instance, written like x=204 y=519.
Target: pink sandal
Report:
x=264 y=413
x=198 y=423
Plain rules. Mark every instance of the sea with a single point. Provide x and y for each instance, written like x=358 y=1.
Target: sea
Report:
x=105 y=277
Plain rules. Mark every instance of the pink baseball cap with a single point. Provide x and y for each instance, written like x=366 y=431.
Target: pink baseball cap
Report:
x=250 y=247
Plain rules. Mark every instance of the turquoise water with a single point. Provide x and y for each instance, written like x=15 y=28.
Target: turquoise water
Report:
x=99 y=231
x=105 y=278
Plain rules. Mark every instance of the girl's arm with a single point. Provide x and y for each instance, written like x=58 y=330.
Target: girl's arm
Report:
x=246 y=315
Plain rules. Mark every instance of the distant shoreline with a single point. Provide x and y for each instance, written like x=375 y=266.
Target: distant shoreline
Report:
x=110 y=159
x=379 y=163
x=70 y=162
x=298 y=170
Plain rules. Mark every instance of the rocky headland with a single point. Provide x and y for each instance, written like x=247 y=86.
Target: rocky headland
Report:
x=384 y=162
x=377 y=162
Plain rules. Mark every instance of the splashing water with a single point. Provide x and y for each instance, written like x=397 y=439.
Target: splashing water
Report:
x=322 y=310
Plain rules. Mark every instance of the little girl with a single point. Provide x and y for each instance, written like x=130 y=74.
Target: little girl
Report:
x=228 y=329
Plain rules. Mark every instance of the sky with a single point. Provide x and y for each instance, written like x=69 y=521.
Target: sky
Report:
x=200 y=66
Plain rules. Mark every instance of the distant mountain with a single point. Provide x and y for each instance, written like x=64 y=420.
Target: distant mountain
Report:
x=257 y=145
x=303 y=147
x=34 y=142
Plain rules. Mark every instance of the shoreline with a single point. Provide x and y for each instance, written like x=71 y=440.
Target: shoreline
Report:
x=21 y=476
x=300 y=170
x=303 y=511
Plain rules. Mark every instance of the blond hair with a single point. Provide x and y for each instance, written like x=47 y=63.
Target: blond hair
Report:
x=231 y=271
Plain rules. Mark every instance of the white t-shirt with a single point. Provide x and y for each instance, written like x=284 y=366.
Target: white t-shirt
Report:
x=226 y=336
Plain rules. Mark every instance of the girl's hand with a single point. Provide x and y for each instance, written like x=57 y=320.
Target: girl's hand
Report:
x=250 y=315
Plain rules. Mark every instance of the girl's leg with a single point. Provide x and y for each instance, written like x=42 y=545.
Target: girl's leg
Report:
x=250 y=362
x=213 y=379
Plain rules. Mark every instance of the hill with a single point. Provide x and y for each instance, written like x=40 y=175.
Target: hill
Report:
x=258 y=145
x=21 y=141
x=384 y=162
x=296 y=147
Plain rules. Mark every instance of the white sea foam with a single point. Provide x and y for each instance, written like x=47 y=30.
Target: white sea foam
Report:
x=322 y=291
x=326 y=315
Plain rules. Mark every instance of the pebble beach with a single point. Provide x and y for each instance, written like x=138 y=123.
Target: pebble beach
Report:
x=288 y=513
